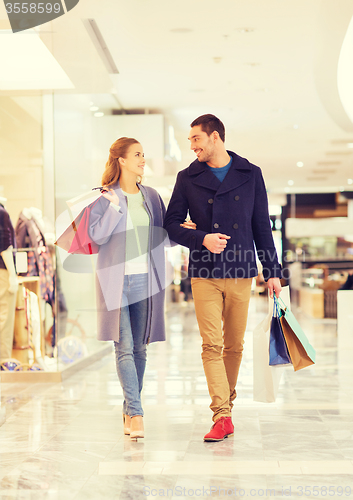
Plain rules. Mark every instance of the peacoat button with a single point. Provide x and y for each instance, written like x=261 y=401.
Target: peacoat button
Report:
x=235 y=226
x=236 y=197
x=210 y=201
x=215 y=225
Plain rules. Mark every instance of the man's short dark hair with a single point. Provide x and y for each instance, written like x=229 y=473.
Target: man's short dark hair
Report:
x=209 y=124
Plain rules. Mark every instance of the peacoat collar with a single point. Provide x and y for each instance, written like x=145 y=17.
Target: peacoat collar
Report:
x=238 y=174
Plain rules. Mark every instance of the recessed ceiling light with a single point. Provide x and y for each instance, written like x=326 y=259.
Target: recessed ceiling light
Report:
x=290 y=182
x=350 y=181
x=94 y=108
x=350 y=145
x=300 y=164
x=181 y=30
x=99 y=114
x=295 y=126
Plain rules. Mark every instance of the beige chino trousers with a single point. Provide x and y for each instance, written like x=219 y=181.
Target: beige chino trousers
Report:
x=217 y=301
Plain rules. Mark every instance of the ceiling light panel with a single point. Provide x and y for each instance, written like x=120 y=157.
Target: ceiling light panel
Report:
x=324 y=171
x=328 y=162
x=316 y=179
x=339 y=153
x=27 y=64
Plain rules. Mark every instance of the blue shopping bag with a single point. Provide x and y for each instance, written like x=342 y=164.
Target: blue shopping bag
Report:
x=279 y=354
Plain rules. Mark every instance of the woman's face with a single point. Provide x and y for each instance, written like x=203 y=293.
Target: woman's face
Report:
x=134 y=161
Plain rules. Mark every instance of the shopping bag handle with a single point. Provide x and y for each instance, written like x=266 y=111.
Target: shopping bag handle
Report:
x=276 y=309
x=277 y=299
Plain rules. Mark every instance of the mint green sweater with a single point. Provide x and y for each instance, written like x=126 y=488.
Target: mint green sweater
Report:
x=137 y=235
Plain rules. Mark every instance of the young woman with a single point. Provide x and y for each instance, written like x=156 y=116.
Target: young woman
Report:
x=127 y=223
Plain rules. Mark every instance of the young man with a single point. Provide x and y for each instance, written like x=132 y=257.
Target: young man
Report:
x=226 y=198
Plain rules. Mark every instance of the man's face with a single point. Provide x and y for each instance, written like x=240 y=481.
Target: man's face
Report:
x=201 y=143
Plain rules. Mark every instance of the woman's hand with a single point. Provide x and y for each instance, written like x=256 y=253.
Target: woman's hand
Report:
x=111 y=196
x=188 y=224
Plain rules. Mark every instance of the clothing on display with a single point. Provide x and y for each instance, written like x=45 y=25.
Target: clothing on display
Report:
x=348 y=285
x=7 y=297
x=29 y=234
x=7 y=233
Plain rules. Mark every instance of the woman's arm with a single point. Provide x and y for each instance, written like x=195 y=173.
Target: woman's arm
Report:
x=104 y=219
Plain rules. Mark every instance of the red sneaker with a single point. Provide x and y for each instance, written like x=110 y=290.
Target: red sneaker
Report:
x=222 y=428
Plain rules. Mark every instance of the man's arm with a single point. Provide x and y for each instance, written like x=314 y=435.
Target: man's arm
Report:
x=176 y=214
x=263 y=238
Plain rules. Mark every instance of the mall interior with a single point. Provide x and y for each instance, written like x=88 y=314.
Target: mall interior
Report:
x=279 y=75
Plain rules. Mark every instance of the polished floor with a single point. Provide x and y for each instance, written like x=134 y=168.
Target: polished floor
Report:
x=65 y=441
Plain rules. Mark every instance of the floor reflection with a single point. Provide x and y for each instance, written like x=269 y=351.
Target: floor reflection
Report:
x=63 y=441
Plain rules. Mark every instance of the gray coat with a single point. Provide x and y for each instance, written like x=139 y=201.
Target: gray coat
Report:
x=108 y=229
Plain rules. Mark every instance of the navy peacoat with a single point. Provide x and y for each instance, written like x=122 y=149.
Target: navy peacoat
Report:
x=237 y=207
x=108 y=229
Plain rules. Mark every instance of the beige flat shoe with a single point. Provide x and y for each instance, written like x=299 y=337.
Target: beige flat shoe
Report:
x=127 y=423
x=136 y=427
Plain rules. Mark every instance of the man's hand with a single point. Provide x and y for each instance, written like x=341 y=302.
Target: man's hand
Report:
x=274 y=284
x=215 y=242
x=188 y=224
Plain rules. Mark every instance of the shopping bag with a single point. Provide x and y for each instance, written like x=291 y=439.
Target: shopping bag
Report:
x=266 y=378
x=301 y=352
x=75 y=239
x=279 y=354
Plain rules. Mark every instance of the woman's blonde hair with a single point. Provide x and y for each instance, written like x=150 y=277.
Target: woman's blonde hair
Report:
x=118 y=149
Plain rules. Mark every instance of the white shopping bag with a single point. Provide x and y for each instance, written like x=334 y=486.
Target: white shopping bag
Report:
x=266 y=378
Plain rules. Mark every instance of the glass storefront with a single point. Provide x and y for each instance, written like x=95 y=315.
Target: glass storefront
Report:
x=55 y=149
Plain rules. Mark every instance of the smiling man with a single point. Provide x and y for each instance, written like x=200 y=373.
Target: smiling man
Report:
x=225 y=196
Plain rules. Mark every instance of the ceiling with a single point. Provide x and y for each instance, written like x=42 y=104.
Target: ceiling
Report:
x=268 y=70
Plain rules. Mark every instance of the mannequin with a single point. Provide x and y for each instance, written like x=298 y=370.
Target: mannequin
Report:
x=36 y=214
x=8 y=283
x=30 y=233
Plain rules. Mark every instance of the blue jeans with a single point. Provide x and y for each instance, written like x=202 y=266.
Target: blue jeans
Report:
x=130 y=351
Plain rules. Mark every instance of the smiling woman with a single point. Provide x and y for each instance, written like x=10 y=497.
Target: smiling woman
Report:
x=127 y=224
